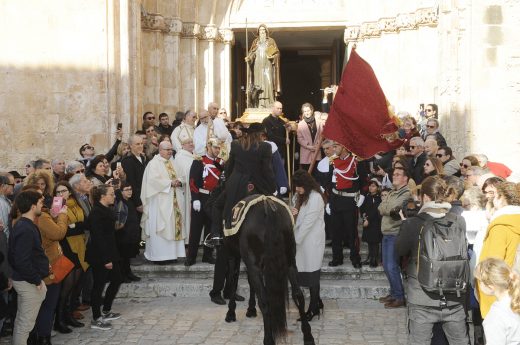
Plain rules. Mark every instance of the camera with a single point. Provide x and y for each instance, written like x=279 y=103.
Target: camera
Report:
x=410 y=208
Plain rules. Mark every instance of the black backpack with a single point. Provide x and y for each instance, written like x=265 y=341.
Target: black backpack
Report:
x=442 y=256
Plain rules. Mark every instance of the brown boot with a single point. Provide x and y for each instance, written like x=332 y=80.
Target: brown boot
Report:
x=395 y=304
x=386 y=299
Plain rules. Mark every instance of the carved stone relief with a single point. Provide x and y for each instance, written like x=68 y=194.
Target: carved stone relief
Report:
x=402 y=21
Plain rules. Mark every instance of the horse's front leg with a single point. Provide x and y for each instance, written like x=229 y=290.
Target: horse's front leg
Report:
x=299 y=300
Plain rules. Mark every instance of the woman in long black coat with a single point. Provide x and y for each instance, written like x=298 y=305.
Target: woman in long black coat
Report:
x=372 y=222
x=128 y=231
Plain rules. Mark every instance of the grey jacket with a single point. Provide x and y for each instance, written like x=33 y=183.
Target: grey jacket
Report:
x=407 y=244
x=394 y=199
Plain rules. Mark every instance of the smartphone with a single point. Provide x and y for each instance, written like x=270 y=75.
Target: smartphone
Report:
x=119 y=126
x=57 y=204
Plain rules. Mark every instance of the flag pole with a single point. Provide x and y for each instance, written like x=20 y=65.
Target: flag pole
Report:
x=247 y=69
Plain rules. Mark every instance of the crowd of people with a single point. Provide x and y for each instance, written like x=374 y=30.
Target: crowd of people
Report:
x=69 y=228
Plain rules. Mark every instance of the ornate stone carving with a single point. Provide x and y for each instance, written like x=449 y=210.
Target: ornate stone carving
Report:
x=427 y=16
x=190 y=30
x=174 y=26
x=406 y=21
x=370 y=29
x=402 y=21
x=209 y=32
x=153 y=22
x=226 y=35
x=388 y=24
x=352 y=33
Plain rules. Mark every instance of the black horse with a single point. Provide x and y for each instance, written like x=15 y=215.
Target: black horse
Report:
x=265 y=241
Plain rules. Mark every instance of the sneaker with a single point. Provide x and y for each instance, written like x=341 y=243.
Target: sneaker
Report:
x=101 y=324
x=109 y=316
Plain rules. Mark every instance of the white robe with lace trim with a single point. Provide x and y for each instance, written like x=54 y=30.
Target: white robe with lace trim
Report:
x=158 y=221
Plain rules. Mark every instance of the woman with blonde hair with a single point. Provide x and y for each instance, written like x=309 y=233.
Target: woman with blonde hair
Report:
x=503 y=233
x=502 y=323
x=45 y=182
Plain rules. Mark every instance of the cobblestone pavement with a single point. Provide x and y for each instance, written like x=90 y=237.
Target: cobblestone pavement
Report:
x=162 y=321
x=165 y=320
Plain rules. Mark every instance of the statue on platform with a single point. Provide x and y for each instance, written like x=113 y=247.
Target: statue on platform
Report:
x=263 y=63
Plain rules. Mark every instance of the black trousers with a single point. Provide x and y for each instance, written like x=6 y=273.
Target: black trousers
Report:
x=221 y=275
x=101 y=276
x=344 y=220
x=199 y=220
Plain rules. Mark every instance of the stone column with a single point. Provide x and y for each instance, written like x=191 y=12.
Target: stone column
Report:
x=208 y=65
x=228 y=38
x=170 y=72
x=188 y=65
x=454 y=61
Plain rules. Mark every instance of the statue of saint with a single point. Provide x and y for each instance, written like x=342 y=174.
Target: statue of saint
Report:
x=263 y=60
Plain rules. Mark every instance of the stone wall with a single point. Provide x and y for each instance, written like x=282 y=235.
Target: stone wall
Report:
x=64 y=77
x=73 y=69
x=494 y=74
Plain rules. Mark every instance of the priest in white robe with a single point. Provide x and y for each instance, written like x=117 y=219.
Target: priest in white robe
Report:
x=162 y=217
x=184 y=131
x=182 y=164
x=211 y=128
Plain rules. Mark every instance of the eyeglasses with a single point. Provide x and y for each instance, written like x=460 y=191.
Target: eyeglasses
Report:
x=439 y=155
x=464 y=165
x=61 y=191
x=430 y=126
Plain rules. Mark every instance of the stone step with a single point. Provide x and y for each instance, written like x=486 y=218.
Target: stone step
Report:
x=202 y=270
x=168 y=287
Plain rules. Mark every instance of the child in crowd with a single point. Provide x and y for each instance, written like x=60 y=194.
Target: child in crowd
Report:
x=502 y=323
x=372 y=222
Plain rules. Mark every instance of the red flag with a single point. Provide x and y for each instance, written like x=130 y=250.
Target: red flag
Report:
x=359 y=118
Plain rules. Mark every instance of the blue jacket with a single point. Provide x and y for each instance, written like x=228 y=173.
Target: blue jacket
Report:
x=26 y=255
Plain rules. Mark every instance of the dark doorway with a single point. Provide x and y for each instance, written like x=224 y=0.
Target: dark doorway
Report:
x=301 y=82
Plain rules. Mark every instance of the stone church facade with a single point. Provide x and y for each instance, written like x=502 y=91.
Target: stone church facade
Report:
x=71 y=70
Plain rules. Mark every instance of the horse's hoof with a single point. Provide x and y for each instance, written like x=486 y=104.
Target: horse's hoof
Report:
x=231 y=317
x=251 y=312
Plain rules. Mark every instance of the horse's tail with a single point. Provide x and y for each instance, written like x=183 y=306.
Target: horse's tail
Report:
x=275 y=268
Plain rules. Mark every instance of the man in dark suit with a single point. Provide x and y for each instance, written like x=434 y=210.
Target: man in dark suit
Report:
x=418 y=160
x=134 y=165
x=275 y=129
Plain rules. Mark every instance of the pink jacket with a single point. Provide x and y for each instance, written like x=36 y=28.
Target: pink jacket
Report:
x=306 y=143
